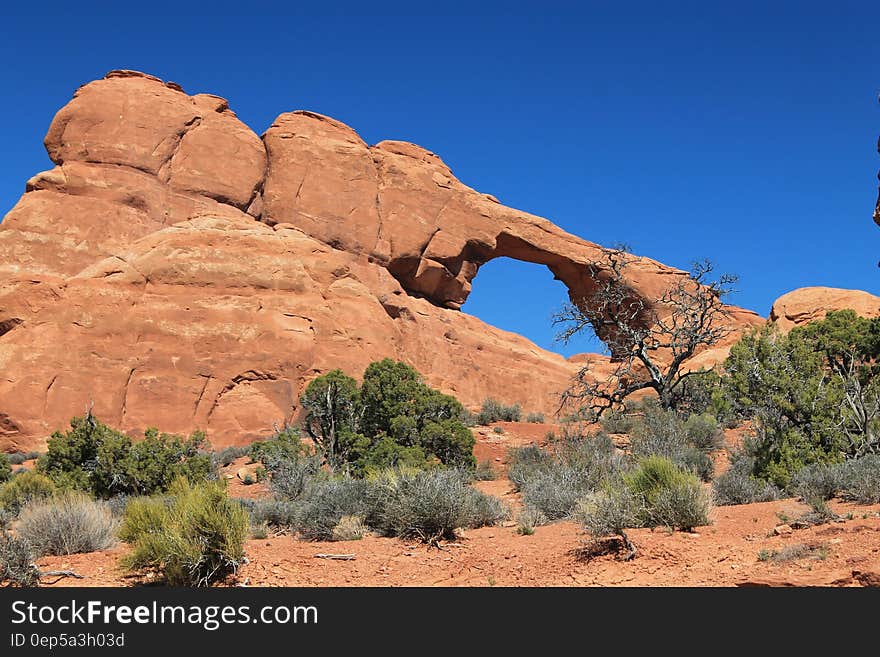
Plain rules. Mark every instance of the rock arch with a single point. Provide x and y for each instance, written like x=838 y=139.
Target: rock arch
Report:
x=170 y=249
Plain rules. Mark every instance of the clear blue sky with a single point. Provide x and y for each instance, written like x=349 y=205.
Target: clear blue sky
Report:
x=743 y=132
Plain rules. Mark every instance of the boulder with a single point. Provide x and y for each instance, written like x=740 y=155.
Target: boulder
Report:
x=810 y=304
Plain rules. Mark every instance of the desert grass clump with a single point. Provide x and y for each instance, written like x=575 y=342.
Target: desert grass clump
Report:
x=279 y=516
x=20 y=457
x=859 y=479
x=16 y=562
x=194 y=538
x=481 y=510
x=349 y=528
x=525 y=462
x=553 y=482
x=289 y=477
x=23 y=488
x=617 y=421
x=428 y=505
x=856 y=480
x=607 y=514
x=535 y=418
x=556 y=491
x=794 y=552
x=325 y=503
x=739 y=486
x=67 y=524
x=816 y=483
x=687 y=443
x=485 y=471
x=227 y=455
x=494 y=411
x=528 y=519
x=671 y=497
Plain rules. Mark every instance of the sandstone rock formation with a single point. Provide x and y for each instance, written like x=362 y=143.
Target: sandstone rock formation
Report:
x=810 y=304
x=176 y=270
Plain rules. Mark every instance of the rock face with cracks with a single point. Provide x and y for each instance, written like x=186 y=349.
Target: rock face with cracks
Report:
x=175 y=270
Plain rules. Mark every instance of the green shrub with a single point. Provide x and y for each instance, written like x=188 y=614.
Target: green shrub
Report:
x=485 y=472
x=16 y=562
x=450 y=441
x=227 y=455
x=554 y=482
x=195 y=538
x=494 y=411
x=20 y=457
x=386 y=452
x=739 y=486
x=671 y=497
x=859 y=479
x=610 y=511
x=556 y=491
x=285 y=445
x=5 y=468
x=158 y=460
x=812 y=393
x=684 y=505
x=95 y=458
x=497 y=429
x=528 y=519
x=816 y=483
x=67 y=524
x=703 y=393
x=535 y=418
x=702 y=431
x=687 y=443
x=23 y=488
x=653 y=474
x=524 y=462
x=393 y=420
x=428 y=505
x=278 y=515
x=289 y=478
x=325 y=503
x=617 y=421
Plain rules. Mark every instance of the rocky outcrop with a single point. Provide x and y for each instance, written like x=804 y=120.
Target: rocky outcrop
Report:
x=174 y=269
x=810 y=304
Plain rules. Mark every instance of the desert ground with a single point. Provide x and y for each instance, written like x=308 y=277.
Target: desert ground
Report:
x=725 y=553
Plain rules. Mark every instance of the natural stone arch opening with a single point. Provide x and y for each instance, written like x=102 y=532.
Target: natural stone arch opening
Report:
x=516 y=295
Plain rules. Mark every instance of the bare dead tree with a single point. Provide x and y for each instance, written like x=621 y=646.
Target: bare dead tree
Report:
x=649 y=340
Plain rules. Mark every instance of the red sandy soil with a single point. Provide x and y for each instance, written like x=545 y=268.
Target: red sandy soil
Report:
x=724 y=553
